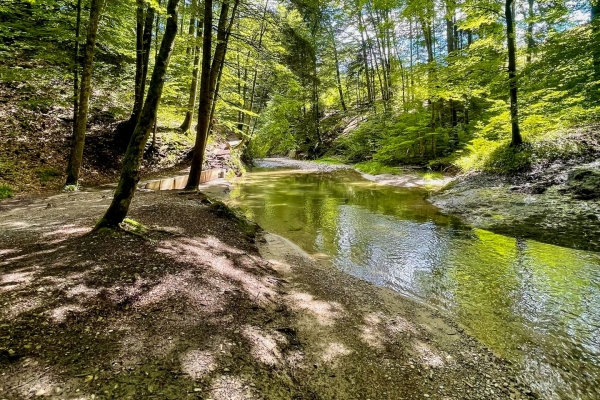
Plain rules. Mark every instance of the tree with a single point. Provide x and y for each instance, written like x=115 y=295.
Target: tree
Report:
x=211 y=67
x=189 y=114
x=76 y=157
x=144 y=24
x=130 y=174
x=516 y=139
x=596 y=31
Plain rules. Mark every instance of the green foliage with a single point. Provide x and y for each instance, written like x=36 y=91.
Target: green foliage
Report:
x=5 y=192
x=376 y=168
x=498 y=157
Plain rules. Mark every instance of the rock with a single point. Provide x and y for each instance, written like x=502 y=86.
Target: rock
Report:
x=584 y=183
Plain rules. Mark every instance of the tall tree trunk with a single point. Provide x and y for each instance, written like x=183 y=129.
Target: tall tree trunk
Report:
x=130 y=174
x=450 y=26
x=76 y=67
x=189 y=115
x=596 y=30
x=512 y=74
x=361 y=27
x=450 y=10
x=208 y=82
x=530 y=39
x=78 y=142
x=220 y=64
x=337 y=72
x=145 y=23
x=254 y=79
x=192 y=28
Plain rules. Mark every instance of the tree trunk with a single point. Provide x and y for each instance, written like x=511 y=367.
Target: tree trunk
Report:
x=512 y=74
x=450 y=26
x=205 y=103
x=76 y=68
x=189 y=115
x=192 y=27
x=143 y=46
x=337 y=72
x=530 y=39
x=450 y=9
x=596 y=30
x=220 y=63
x=130 y=174
x=78 y=142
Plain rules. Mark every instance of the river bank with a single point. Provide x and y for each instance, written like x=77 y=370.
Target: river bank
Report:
x=197 y=308
x=559 y=205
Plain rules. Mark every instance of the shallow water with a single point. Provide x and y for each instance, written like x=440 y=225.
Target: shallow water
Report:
x=536 y=304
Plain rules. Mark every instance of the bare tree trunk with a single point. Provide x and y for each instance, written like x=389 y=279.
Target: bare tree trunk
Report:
x=130 y=174
x=221 y=63
x=337 y=71
x=78 y=142
x=208 y=81
x=530 y=39
x=76 y=68
x=596 y=29
x=192 y=28
x=145 y=22
x=189 y=115
x=517 y=140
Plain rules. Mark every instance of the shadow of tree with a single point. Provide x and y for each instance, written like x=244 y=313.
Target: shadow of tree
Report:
x=194 y=311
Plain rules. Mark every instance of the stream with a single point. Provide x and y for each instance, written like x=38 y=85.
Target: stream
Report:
x=535 y=304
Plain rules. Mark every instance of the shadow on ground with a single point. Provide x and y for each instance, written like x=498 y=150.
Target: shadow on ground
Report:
x=193 y=310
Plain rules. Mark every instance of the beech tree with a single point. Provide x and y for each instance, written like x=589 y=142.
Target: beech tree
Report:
x=211 y=72
x=130 y=174
x=78 y=142
x=516 y=139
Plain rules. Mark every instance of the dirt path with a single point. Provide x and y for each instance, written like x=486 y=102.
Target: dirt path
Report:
x=196 y=311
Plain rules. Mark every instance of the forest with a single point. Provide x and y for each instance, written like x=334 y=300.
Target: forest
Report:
x=300 y=199
x=493 y=86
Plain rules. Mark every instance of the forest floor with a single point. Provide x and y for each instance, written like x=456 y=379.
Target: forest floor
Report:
x=195 y=308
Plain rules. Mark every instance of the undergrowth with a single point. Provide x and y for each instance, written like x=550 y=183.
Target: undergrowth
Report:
x=5 y=192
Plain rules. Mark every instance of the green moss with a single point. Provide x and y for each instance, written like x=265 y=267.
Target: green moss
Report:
x=47 y=174
x=5 y=192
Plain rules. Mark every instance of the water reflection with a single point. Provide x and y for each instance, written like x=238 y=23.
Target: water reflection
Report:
x=534 y=303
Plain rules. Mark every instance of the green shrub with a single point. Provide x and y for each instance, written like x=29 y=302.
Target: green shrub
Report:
x=5 y=191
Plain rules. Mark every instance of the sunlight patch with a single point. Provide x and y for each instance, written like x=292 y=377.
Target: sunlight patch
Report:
x=428 y=355
x=325 y=312
x=265 y=345
x=60 y=314
x=334 y=351
x=231 y=388
x=197 y=364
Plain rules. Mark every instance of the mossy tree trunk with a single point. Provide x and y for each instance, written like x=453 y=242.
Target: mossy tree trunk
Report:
x=76 y=156
x=130 y=174
x=517 y=140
